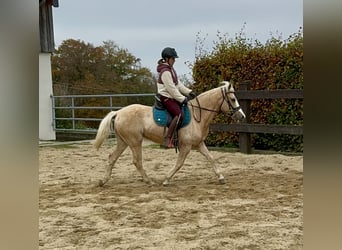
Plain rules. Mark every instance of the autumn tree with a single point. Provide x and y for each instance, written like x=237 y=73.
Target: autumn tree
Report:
x=81 y=68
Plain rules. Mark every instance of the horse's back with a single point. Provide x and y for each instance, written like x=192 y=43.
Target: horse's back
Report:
x=135 y=108
x=134 y=113
x=134 y=122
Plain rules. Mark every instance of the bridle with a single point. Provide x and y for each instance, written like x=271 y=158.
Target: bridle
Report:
x=225 y=98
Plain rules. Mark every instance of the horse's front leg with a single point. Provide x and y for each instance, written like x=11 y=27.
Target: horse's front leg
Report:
x=183 y=153
x=137 y=161
x=204 y=151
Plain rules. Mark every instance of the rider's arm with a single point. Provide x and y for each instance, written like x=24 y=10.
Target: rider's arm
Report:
x=171 y=87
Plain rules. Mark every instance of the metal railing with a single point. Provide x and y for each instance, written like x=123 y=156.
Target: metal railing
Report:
x=64 y=109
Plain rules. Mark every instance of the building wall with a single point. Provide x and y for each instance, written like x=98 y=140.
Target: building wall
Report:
x=46 y=131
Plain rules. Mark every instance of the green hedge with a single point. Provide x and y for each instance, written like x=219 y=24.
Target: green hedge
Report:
x=276 y=64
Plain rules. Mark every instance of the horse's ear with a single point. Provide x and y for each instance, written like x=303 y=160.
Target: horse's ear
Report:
x=223 y=83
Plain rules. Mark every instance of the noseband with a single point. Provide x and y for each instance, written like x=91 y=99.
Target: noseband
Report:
x=225 y=97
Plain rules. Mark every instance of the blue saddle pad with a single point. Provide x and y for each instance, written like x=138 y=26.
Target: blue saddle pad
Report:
x=163 y=118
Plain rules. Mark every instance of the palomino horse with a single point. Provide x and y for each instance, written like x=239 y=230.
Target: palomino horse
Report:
x=135 y=122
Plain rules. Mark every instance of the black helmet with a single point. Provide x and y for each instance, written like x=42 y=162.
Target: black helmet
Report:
x=168 y=53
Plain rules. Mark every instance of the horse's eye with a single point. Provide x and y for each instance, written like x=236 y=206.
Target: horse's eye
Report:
x=233 y=100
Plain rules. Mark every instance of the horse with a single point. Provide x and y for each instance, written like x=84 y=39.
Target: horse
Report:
x=135 y=122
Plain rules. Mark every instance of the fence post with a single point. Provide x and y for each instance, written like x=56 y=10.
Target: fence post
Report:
x=73 y=112
x=245 y=138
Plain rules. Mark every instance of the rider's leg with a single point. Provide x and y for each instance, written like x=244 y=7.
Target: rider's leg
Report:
x=173 y=107
x=168 y=140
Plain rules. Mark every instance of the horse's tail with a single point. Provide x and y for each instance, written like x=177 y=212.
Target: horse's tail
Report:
x=104 y=129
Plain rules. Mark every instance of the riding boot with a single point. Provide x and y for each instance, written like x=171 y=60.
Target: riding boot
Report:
x=168 y=142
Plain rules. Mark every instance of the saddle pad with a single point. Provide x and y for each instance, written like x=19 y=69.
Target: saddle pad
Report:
x=163 y=118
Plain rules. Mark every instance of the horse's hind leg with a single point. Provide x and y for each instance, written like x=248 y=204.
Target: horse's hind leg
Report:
x=113 y=157
x=204 y=151
x=183 y=153
x=137 y=161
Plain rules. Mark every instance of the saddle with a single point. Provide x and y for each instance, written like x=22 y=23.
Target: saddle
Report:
x=163 y=118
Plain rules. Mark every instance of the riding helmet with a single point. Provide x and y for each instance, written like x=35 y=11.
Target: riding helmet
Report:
x=169 y=53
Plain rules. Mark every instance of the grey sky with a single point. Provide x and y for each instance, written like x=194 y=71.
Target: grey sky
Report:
x=146 y=27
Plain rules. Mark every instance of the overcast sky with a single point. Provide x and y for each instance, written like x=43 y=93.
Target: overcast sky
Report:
x=145 y=27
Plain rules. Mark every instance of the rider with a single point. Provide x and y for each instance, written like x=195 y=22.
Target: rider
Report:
x=173 y=93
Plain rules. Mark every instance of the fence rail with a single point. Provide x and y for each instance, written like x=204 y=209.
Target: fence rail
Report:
x=259 y=128
x=69 y=103
x=244 y=95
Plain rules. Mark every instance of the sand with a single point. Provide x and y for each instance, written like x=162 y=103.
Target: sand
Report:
x=259 y=207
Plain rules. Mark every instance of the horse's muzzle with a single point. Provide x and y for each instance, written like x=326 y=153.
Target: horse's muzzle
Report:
x=239 y=115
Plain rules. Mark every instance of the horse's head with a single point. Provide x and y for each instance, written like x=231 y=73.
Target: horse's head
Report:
x=233 y=106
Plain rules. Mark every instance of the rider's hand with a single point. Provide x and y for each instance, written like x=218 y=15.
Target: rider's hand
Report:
x=185 y=102
x=192 y=95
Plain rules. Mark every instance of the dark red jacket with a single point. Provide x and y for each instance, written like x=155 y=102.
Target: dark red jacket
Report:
x=166 y=67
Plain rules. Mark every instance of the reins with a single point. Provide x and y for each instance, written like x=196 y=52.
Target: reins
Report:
x=202 y=108
x=224 y=98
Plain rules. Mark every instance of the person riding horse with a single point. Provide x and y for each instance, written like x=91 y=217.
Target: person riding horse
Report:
x=173 y=94
x=133 y=123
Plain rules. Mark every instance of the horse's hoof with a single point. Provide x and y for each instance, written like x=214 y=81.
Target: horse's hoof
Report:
x=222 y=181
x=149 y=183
x=100 y=183
x=166 y=183
x=153 y=184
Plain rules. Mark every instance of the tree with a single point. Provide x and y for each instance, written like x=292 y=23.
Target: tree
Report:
x=81 y=68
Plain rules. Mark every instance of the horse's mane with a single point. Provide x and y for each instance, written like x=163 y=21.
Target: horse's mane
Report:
x=210 y=91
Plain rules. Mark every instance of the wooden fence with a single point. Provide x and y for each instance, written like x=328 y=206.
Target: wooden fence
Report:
x=245 y=129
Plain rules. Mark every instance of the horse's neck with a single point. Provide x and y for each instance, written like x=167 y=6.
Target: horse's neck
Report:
x=211 y=100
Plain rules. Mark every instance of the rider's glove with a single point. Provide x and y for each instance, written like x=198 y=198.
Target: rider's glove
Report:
x=192 y=95
x=185 y=102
